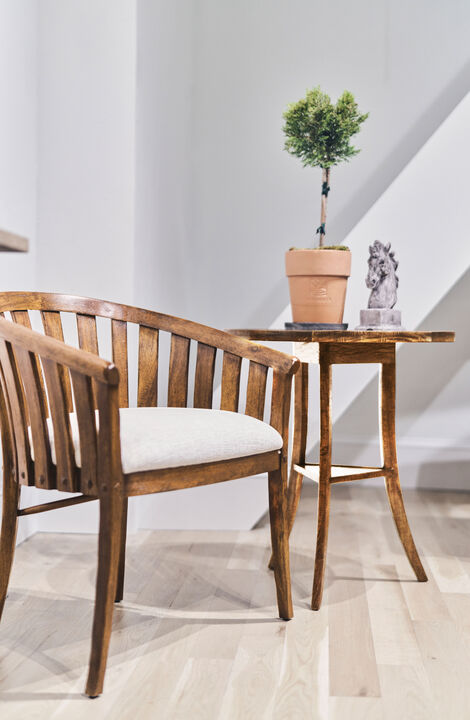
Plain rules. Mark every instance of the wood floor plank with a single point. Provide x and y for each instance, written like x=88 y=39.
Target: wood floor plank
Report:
x=406 y=693
x=198 y=636
x=355 y=708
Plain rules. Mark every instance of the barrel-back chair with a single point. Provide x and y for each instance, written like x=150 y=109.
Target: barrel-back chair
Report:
x=66 y=425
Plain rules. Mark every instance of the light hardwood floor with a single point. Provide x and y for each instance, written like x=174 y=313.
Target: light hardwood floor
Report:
x=197 y=636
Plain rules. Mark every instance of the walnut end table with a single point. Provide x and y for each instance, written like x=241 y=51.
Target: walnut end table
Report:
x=328 y=348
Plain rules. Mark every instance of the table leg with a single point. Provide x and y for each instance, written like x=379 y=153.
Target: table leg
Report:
x=299 y=445
x=324 y=487
x=387 y=392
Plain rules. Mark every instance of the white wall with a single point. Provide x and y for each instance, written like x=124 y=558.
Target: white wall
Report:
x=248 y=201
x=156 y=140
x=18 y=149
x=86 y=147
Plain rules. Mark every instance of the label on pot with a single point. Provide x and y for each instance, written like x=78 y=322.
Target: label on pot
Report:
x=318 y=291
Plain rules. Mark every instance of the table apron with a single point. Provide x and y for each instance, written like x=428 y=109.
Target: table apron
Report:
x=342 y=353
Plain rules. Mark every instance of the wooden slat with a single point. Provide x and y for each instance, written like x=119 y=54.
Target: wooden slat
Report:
x=147 y=393
x=256 y=390
x=52 y=324
x=88 y=340
x=204 y=378
x=87 y=429
x=22 y=318
x=178 y=373
x=44 y=476
x=16 y=401
x=231 y=368
x=119 y=341
x=87 y=333
x=64 y=450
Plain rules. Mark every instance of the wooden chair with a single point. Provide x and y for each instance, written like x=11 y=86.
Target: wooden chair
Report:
x=66 y=425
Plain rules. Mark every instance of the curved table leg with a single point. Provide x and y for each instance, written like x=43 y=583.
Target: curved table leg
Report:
x=324 y=487
x=387 y=393
x=299 y=445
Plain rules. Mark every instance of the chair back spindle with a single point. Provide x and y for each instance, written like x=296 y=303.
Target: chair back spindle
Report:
x=178 y=371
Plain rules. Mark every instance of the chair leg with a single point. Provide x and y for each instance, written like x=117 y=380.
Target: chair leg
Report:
x=389 y=455
x=122 y=553
x=280 y=541
x=324 y=486
x=11 y=498
x=111 y=510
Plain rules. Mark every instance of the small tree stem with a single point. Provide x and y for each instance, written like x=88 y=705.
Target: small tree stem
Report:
x=324 y=200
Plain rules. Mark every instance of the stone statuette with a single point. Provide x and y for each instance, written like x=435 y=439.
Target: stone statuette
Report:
x=382 y=281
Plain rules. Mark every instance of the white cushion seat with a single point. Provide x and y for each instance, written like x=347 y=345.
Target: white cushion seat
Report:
x=157 y=438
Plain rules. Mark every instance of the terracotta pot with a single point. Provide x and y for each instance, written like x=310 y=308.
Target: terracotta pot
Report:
x=317 y=284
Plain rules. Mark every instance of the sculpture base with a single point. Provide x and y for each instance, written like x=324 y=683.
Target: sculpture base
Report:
x=315 y=326
x=380 y=319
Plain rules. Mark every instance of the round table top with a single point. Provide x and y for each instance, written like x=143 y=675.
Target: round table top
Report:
x=345 y=336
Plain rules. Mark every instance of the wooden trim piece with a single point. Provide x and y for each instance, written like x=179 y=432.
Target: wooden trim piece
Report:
x=13 y=390
x=256 y=390
x=147 y=393
x=204 y=377
x=11 y=242
x=86 y=419
x=178 y=371
x=154 y=481
x=67 y=476
x=360 y=353
x=21 y=317
x=231 y=371
x=55 y=505
x=52 y=324
x=344 y=336
x=44 y=473
x=119 y=343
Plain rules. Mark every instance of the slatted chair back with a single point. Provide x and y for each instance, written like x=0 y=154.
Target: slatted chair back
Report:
x=33 y=367
x=188 y=369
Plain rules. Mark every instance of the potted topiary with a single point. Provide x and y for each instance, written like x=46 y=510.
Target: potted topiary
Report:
x=319 y=133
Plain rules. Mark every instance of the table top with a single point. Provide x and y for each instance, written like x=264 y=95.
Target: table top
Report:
x=345 y=336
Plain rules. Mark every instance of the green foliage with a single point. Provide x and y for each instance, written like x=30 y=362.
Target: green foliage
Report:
x=319 y=132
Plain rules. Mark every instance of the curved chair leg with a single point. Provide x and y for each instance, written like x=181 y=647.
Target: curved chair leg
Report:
x=11 y=498
x=324 y=487
x=111 y=510
x=299 y=444
x=122 y=554
x=280 y=541
x=392 y=480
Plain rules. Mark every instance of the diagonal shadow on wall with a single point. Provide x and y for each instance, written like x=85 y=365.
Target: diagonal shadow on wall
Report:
x=423 y=370
x=376 y=184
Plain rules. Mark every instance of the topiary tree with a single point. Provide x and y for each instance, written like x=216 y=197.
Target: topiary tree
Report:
x=319 y=133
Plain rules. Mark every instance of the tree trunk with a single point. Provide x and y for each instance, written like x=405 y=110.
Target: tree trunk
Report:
x=324 y=199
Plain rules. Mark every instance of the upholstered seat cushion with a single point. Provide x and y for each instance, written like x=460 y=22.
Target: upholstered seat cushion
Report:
x=155 y=438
